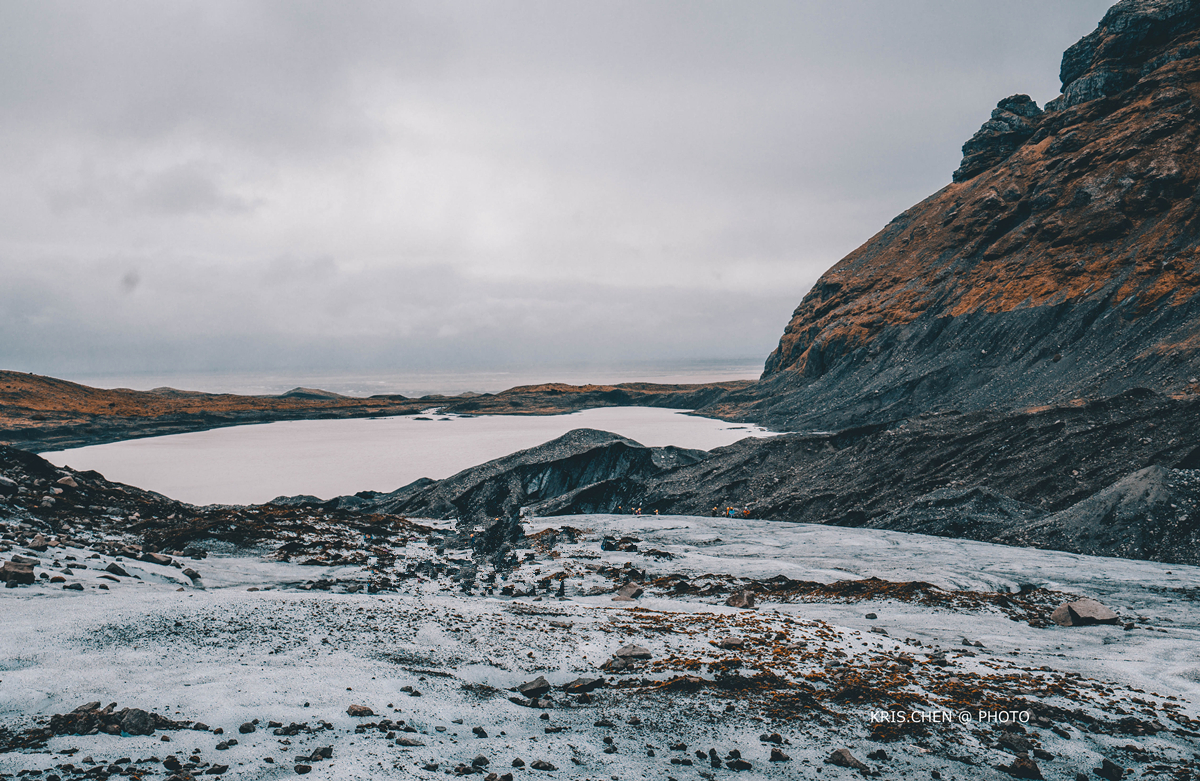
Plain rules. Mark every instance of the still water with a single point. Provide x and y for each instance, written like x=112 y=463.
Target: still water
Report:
x=327 y=458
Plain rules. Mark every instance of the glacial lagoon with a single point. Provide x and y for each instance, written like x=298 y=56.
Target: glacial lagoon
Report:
x=327 y=458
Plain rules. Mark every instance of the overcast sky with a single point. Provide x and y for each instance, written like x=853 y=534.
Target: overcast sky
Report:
x=390 y=186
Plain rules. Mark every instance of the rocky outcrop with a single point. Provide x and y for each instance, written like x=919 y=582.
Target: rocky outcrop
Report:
x=1063 y=261
x=583 y=468
x=1153 y=513
x=1013 y=121
x=1134 y=39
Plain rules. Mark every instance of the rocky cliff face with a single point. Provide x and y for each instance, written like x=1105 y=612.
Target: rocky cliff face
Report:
x=1062 y=262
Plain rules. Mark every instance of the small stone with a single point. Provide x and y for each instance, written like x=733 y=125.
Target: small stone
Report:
x=518 y=762
x=1109 y=770
x=480 y=761
x=738 y=764
x=779 y=756
x=404 y=740
x=246 y=728
x=870 y=616
x=359 y=710
x=302 y=769
x=217 y=770
x=479 y=732
x=116 y=569
x=541 y=764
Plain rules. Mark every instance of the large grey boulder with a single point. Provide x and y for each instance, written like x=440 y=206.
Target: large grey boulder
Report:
x=1083 y=612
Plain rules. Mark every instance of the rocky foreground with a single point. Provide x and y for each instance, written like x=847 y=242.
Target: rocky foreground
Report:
x=265 y=642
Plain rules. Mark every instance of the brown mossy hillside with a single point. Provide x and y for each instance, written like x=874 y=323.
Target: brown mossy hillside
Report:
x=1071 y=234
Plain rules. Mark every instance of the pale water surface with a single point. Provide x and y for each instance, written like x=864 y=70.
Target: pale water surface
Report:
x=327 y=458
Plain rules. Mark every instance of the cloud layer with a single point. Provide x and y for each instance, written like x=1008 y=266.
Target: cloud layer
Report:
x=376 y=185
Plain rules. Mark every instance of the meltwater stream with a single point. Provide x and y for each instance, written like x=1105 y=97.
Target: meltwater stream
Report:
x=327 y=458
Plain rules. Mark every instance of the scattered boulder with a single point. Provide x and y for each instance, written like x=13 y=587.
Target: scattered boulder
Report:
x=116 y=569
x=359 y=710
x=535 y=688
x=741 y=599
x=1022 y=767
x=67 y=481
x=157 y=558
x=541 y=764
x=1083 y=612
x=843 y=758
x=633 y=652
x=247 y=728
x=779 y=756
x=628 y=593
x=136 y=721
x=15 y=574
x=583 y=685
x=1109 y=770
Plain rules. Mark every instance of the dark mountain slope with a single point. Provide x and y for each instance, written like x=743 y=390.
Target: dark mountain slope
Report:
x=1063 y=262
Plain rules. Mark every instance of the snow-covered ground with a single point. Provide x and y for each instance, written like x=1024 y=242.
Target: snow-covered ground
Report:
x=254 y=643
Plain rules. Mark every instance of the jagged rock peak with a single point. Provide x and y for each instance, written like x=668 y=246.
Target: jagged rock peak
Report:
x=1013 y=121
x=1135 y=38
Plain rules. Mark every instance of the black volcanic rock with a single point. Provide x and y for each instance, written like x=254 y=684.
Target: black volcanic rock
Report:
x=1153 y=513
x=582 y=468
x=1013 y=121
x=1135 y=38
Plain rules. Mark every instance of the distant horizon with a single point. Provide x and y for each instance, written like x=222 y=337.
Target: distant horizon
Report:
x=416 y=383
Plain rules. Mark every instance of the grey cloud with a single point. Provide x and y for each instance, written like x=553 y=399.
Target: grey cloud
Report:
x=309 y=184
